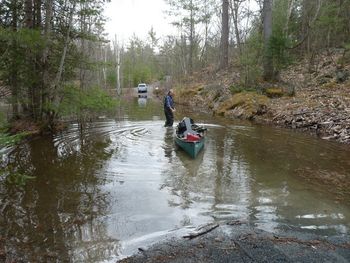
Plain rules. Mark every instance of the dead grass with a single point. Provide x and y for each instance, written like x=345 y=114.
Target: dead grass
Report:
x=24 y=125
x=184 y=95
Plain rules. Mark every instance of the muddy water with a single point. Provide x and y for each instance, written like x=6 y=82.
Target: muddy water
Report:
x=120 y=183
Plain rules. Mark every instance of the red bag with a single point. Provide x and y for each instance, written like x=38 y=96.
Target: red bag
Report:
x=192 y=137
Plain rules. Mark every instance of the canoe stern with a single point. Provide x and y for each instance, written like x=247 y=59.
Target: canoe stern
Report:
x=191 y=148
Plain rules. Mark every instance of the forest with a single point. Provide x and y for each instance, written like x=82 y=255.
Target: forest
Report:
x=57 y=61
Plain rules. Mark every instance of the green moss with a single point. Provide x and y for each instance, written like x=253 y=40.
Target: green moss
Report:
x=18 y=179
x=236 y=89
x=274 y=92
x=239 y=88
x=249 y=104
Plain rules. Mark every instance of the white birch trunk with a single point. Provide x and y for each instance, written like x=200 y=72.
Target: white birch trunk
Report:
x=117 y=59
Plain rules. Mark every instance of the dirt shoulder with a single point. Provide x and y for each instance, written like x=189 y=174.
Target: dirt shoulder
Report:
x=311 y=97
x=238 y=242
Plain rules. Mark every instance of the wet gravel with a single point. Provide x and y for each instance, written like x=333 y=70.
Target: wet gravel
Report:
x=242 y=243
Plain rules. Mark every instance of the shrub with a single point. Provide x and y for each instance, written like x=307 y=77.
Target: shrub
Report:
x=84 y=103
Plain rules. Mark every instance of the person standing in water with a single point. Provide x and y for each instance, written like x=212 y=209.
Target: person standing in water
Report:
x=169 y=108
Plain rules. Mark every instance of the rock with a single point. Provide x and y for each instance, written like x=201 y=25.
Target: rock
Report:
x=323 y=79
x=328 y=138
x=341 y=76
x=141 y=249
x=337 y=129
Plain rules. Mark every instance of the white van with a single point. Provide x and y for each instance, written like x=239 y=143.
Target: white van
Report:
x=142 y=88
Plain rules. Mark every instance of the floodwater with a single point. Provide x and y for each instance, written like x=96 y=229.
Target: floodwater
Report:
x=120 y=183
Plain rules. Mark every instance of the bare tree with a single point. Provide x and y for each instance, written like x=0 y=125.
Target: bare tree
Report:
x=224 y=35
x=289 y=14
x=188 y=15
x=117 y=64
x=267 y=30
x=235 y=6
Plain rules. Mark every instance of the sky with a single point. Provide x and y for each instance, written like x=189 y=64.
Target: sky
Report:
x=128 y=17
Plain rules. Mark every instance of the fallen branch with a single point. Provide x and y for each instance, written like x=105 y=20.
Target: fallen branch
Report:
x=201 y=230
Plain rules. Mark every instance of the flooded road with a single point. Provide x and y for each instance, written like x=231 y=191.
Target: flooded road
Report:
x=120 y=183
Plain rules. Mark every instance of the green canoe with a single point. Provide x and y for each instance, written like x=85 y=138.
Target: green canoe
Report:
x=191 y=148
x=190 y=137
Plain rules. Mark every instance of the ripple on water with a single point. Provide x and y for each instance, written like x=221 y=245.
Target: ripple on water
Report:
x=119 y=134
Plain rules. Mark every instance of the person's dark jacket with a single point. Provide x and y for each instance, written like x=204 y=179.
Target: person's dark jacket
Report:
x=168 y=102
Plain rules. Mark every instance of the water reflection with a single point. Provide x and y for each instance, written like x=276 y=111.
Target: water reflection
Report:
x=168 y=145
x=104 y=189
x=142 y=101
x=274 y=164
x=191 y=165
x=57 y=214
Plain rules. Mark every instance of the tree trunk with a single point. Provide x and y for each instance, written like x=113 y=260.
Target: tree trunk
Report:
x=267 y=24
x=57 y=80
x=117 y=66
x=83 y=26
x=289 y=14
x=190 y=59
x=35 y=89
x=234 y=9
x=224 y=35
x=204 y=53
x=28 y=10
x=37 y=14
x=14 y=72
x=47 y=35
x=307 y=22
x=104 y=70
x=55 y=83
x=183 y=52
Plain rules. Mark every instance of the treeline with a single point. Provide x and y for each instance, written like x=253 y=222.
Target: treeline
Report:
x=258 y=37
x=140 y=61
x=293 y=28
x=54 y=57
